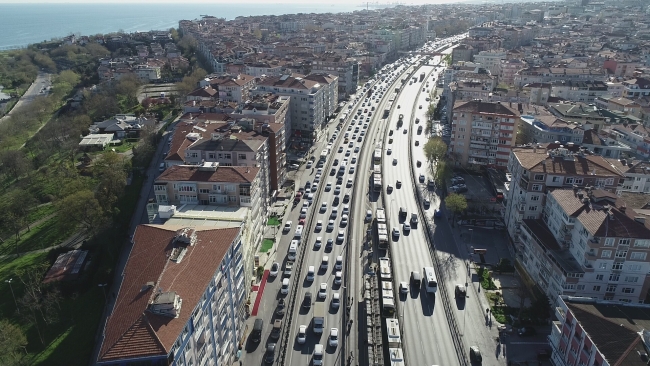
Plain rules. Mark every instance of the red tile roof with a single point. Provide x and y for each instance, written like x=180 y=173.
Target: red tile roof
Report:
x=134 y=332
x=192 y=173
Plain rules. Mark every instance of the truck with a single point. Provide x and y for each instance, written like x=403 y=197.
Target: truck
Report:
x=421 y=76
x=387 y=299
x=319 y=317
x=288 y=268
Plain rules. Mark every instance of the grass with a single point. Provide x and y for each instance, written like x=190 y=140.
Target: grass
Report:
x=121 y=148
x=486 y=279
x=501 y=313
x=267 y=244
x=42 y=236
x=273 y=221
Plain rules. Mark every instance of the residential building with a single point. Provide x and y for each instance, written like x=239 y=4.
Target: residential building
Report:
x=182 y=299
x=313 y=99
x=539 y=92
x=597 y=333
x=601 y=143
x=620 y=104
x=586 y=115
x=491 y=60
x=578 y=91
x=637 y=175
x=552 y=74
x=636 y=136
x=482 y=133
x=539 y=168
x=509 y=69
x=544 y=127
x=462 y=52
x=636 y=88
x=347 y=70
x=230 y=88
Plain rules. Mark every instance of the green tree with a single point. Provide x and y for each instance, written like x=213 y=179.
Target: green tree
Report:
x=456 y=203
x=434 y=150
x=431 y=111
x=14 y=163
x=80 y=209
x=111 y=170
x=64 y=83
x=442 y=172
x=12 y=343
x=190 y=82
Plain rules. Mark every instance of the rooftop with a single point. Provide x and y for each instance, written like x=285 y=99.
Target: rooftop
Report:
x=195 y=173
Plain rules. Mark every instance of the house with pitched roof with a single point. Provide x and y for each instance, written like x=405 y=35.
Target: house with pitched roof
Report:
x=181 y=301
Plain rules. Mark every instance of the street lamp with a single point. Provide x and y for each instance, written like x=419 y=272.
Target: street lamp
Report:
x=12 y=293
x=103 y=286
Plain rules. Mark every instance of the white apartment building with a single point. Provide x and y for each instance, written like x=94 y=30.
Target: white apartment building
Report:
x=578 y=91
x=585 y=246
x=313 y=99
x=260 y=69
x=491 y=60
x=637 y=175
x=537 y=169
x=551 y=74
x=347 y=70
x=182 y=300
x=230 y=88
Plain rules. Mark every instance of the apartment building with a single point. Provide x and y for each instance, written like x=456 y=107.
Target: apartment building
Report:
x=313 y=99
x=261 y=69
x=637 y=175
x=552 y=74
x=230 y=88
x=544 y=128
x=482 y=133
x=586 y=115
x=636 y=136
x=462 y=52
x=491 y=60
x=586 y=246
x=539 y=168
x=578 y=91
x=509 y=69
x=636 y=88
x=619 y=104
x=181 y=301
x=596 y=333
x=346 y=69
x=538 y=92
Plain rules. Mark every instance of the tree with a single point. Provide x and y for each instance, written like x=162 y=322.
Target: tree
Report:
x=524 y=136
x=31 y=303
x=12 y=343
x=442 y=172
x=456 y=203
x=111 y=171
x=431 y=111
x=15 y=163
x=190 y=82
x=434 y=150
x=80 y=209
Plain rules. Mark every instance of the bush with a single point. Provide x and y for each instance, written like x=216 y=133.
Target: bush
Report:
x=504 y=266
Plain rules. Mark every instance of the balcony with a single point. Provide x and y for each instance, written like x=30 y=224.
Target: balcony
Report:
x=523 y=182
x=559 y=314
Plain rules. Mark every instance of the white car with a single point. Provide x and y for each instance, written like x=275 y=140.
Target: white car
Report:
x=328 y=187
x=344 y=220
x=338 y=265
x=319 y=225
x=311 y=272
x=322 y=292
x=341 y=236
x=406 y=227
x=403 y=287
x=336 y=300
x=284 y=289
x=330 y=225
x=287 y=226
x=302 y=334
x=275 y=267
x=349 y=183
x=338 y=278
x=319 y=241
x=323 y=207
x=334 y=338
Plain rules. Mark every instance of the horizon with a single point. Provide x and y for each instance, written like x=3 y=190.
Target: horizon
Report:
x=258 y=2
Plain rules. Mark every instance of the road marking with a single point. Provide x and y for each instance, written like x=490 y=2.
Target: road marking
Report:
x=529 y=343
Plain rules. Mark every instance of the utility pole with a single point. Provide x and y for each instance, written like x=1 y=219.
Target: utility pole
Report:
x=12 y=293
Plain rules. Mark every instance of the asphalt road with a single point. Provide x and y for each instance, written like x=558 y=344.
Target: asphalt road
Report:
x=43 y=80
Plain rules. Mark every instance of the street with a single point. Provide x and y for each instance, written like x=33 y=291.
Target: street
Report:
x=39 y=87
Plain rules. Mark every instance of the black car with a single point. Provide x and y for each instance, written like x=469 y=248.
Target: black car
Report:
x=270 y=353
x=306 y=302
x=526 y=331
x=333 y=171
x=475 y=354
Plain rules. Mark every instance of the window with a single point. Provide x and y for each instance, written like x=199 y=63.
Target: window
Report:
x=642 y=243
x=614 y=277
x=596 y=288
x=204 y=190
x=569 y=181
x=578 y=181
x=623 y=241
x=609 y=242
x=532 y=208
x=634 y=267
x=603 y=266
x=241 y=156
x=581 y=287
x=534 y=198
x=638 y=255
x=539 y=177
x=556 y=179
x=599 y=277
x=617 y=266
x=537 y=187
x=633 y=279
x=611 y=288
x=621 y=253
x=227 y=156
x=606 y=254
x=627 y=290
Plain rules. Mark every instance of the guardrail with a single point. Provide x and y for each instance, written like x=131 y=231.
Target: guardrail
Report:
x=442 y=290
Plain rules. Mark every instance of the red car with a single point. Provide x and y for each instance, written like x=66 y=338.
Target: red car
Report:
x=301 y=222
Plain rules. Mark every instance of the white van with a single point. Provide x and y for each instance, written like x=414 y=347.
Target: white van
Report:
x=293 y=250
x=298 y=233
x=285 y=286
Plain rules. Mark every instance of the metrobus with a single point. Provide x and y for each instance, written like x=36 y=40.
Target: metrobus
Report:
x=382 y=236
x=376 y=156
x=430 y=281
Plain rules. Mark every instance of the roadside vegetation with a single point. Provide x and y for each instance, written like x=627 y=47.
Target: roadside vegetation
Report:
x=53 y=195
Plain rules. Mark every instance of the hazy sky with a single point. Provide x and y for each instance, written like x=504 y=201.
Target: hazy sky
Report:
x=407 y=2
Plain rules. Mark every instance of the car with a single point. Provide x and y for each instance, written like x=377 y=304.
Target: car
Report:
x=421 y=178
x=417 y=143
x=356 y=149
x=314 y=187
x=389 y=188
x=351 y=169
x=395 y=232
x=322 y=291
x=460 y=291
x=344 y=220
x=398 y=184
x=398 y=106
x=330 y=243
x=420 y=107
x=394 y=161
x=284 y=289
x=336 y=300
x=328 y=187
x=309 y=164
x=389 y=151
x=318 y=242
x=302 y=334
x=301 y=222
x=347 y=152
x=427 y=202
x=338 y=278
x=325 y=262
x=337 y=190
x=390 y=133
x=277 y=328
x=333 y=338
x=287 y=227
x=351 y=144
x=335 y=162
x=406 y=227
x=275 y=267
x=340 y=149
x=475 y=354
x=414 y=219
x=319 y=225
x=405 y=131
x=403 y=287
x=317 y=358
x=323 y=206
x=303 y=213
x=338 y=265
x=269 y=357
x=334 y=213
x=526 y=331
x=330 y=225
x=306 y=301
x=340 y=237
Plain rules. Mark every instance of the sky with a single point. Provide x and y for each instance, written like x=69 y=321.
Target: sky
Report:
x=405 y=2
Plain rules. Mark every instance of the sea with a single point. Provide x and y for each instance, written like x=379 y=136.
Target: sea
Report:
x=24 y=24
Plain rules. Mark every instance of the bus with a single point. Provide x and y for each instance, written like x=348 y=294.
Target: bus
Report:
x=380 y=216
x=376 y=178
x=430 y=281
x=382 y=236
x=376 y=157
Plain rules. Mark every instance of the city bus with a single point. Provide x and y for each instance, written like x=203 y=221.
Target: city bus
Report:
x=376 y=157
x=430 y=281
x=382 y=236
